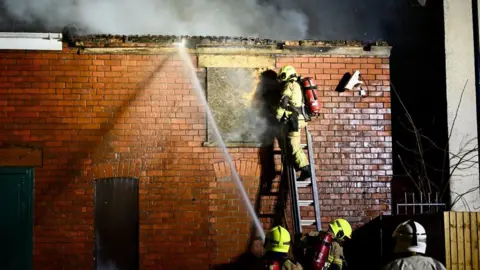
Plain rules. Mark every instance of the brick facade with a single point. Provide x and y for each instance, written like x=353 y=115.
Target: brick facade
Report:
x=101 y=115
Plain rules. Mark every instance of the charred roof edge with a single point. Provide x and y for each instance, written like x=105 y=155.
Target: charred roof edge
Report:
x=197 y=41
x=378 y=51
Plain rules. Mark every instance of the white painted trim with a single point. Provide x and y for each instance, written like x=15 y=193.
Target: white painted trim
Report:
x=30 y=41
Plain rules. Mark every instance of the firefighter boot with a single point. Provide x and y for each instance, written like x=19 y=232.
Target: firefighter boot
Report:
x=305 y=173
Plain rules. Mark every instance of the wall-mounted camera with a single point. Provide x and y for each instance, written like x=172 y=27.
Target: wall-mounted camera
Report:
x=352 y=82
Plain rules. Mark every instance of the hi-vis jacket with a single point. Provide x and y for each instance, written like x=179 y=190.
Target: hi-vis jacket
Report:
x=293 y=91
x=335 y=256
x=415 y=262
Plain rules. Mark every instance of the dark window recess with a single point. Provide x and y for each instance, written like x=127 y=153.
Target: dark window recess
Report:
x=116 y=224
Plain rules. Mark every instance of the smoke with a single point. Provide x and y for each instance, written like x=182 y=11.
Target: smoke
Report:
x=279 y=20
x=242 y=100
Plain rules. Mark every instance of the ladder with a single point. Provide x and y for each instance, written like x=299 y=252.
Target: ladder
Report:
x=289 y=174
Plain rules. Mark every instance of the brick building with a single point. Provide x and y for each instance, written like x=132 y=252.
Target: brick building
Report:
x=118 y=107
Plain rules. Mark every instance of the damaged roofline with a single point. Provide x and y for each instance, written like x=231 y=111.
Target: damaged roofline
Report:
x=379 y=51
x=222 y=45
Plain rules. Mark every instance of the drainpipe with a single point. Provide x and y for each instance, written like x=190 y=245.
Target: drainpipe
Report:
x=476 y=53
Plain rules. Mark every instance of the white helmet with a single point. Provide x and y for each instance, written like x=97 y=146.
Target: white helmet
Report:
x=410 y=236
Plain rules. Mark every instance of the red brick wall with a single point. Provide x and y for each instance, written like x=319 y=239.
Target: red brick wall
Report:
x=106 y=115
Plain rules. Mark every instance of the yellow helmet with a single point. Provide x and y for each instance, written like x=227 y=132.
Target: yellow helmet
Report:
x=277 y=240
x=341 y=228
x=286 y=73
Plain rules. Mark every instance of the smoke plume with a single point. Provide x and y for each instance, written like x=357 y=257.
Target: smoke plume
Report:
x=242 y=101
x=278 y=20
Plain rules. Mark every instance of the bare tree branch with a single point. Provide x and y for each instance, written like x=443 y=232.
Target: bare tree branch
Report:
x=418 y=139
x=461 y=196
x=418 y=170
x=458 y=109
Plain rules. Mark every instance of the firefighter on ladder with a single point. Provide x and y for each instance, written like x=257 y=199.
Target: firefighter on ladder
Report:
x=277 y=246
x=324 y=250
x=290 y=113
x=410 y=246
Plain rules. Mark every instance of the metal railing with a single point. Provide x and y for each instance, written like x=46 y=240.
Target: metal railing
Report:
x=420 y=203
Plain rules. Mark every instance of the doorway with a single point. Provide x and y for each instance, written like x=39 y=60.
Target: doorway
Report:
x=116 y=224
x=16 y=222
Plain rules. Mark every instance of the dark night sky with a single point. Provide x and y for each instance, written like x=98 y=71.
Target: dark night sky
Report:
x=328 y=19
x=359 y=20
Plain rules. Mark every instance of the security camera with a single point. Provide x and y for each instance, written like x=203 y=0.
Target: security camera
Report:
x=355 y=82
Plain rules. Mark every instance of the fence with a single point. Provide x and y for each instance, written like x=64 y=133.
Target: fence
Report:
x=420 y=203
x=453 y=239
x=462 y=240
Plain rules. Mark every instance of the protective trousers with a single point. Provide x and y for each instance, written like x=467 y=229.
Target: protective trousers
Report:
x=294 y=143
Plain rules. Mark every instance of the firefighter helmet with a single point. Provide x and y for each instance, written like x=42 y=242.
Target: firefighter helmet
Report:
x=410 y=236
x=286 y=73
x=277 y=240
x=341 y=228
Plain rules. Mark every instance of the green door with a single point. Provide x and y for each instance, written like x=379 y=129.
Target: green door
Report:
x=16 y=218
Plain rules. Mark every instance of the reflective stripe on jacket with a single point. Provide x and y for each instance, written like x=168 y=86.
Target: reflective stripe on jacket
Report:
x=293 y=91
x=335 y=255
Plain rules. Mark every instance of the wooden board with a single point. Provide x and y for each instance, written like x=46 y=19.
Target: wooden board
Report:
x=467 y=247
x=446 y=222
x=21 y=157
x=462 y=240
x=453 y=241
x=475 y=229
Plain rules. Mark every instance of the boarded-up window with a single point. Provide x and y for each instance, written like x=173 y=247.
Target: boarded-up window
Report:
x=116 y=224
x=242 y=101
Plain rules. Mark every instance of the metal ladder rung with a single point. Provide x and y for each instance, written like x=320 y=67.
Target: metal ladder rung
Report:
x=307 y=222
x=304 y=184
x=294 y=185
x=305 y=202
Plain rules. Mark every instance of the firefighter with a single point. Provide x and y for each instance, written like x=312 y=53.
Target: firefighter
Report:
x=290 y=113
x=410 y=246
x=324 y=250
x=277 y=246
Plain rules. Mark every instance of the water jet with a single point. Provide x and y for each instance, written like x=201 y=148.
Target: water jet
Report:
x=190 y=69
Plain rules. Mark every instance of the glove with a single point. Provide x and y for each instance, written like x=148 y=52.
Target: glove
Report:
x=284 y=101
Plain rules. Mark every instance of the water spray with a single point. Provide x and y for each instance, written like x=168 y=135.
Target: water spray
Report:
x=200 y=92
x=181 y=43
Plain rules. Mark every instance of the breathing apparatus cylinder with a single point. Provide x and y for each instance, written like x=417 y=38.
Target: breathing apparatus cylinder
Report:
x=321 y=251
